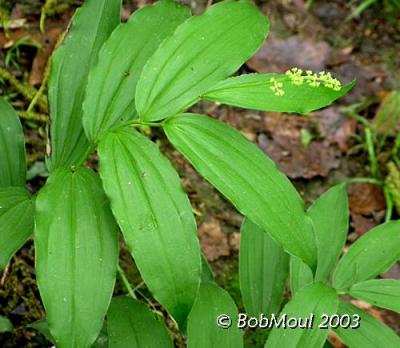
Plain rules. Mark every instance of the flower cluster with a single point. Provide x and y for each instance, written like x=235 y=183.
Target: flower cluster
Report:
x=313 y=79
x=277 y=87
x=298 y=77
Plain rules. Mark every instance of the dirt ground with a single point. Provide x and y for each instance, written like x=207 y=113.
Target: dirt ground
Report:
x=315 y=151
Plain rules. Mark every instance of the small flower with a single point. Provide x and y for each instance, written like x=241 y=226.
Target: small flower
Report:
x=277 y=87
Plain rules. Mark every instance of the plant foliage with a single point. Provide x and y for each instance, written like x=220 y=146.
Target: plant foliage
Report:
x=110 y=80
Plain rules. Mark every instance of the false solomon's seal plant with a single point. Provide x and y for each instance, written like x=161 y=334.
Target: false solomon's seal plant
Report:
x=107 y=81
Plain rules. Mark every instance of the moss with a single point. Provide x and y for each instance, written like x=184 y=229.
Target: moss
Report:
x=25 y=89
x=19 y=300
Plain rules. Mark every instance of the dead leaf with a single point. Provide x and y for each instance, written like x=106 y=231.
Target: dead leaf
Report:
x=369 y=79
x=368 y=308
x=362 y=224
x=235 y=241
x=213 y=241
x=282 y=142
x=393 y=272
x=335 y=127
x=47 y=43
x=279 y=55
x=366 y=198
x=334 y=339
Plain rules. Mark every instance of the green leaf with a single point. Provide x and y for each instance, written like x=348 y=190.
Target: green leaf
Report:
x=43 y=328
x=248 y=178
x=203 y=331
x=70 y=65
x=112 y=83
x=300 y=275
x=5 y=325
x=203 y=51
x=207 y=275
x=131 y=324
x=253 y=91
x=315 y=299
x=12 y=147
x=76 y=243
x=374 y=253
x=155 y=217
x=371 y=333
x=383 y=293
x=330 y=216
x=16 y=221
x=263 y=270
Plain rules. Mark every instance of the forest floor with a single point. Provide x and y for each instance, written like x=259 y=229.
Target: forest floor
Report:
x=314 y=151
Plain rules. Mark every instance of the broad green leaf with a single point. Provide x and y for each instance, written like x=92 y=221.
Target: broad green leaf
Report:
x=76 y=243
x=16 y=221
x=155 y=217
x=383 y=293
x=12 y=147
x=330 y=216
x=112 y=83
x=5 y=325
x=102 y=338
x=207 y=275
x=203 y=51
x=202 y=329
x=313 y=300
x=70 y=65
x=263 y=270
x=253 y=91
x=43 y=328
x=369 y=256
x=371 y=333
x=300 y=275
x=131 y=324
x=248 y=178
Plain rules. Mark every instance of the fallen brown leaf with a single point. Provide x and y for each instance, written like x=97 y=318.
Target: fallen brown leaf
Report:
x=366 y=198
x=279 y=55
x=282 y=142
x=213 y=241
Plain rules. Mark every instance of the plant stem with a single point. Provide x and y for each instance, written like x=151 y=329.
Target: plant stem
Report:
x=389 y=204
x=144 y=123
x=361 y=180
x=125 y=281
x=40 y=92
x=371 y=153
